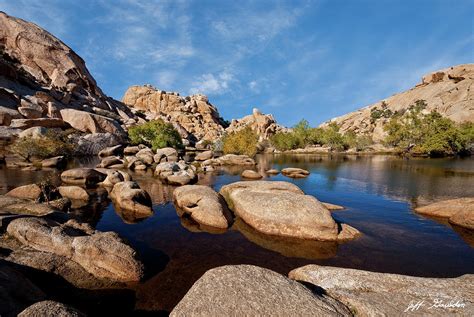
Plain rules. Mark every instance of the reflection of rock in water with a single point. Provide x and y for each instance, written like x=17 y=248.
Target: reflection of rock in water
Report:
x=295 y=248
x=92 y=211
x=195 y=227
x=466 y=234
x=131 y=216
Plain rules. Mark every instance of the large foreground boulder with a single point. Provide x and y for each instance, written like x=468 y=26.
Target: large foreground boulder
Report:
x=83 y=176
x=129 y=196
x=50 y=308
x=459 y=211
x=102 y=254
x=381 y=294
x=16 y=290
x=280 y=208
x=246 y=290
x=203 y=205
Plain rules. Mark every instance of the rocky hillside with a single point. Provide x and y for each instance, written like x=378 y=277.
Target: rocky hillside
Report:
x=44 y=83
x=449 y=91
x=193 y=116
x=264 y=124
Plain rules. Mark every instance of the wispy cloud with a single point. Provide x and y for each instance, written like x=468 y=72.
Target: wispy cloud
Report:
x=212 y=84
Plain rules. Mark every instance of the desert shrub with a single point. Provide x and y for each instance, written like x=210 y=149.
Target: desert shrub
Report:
x=333 y=138
x=284 y=141
x=376 y=113
x=53 y=143
x=357 y=142
x=243 y=141
x=430 y=134
x=155 y=134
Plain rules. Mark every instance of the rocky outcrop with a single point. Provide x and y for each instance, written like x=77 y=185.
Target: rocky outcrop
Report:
x=281 y=209
x=102 y=254
x=263 y=124
x=193 y=116
x=449 y=91
x=43 y=83
x=203 y=205
x=459 y=211
x=246 y=290
x=381 y=294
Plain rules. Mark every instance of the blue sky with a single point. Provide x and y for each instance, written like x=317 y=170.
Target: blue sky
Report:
x=294 y=59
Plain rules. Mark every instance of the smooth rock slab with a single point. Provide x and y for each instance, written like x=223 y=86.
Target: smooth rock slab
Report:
x=249 y=174
x=203 y=205
x=280 y=208
x=103 y=254
x=73 y=192
x=381 y=294
x=247 y=290
x=50 y=308
x=294 y=172
x=83 y=176
x=31 y=191
x=18 y=206
x=459 y=211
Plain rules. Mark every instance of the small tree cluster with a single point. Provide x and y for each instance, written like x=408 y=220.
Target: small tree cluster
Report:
x=53 y=143
x=241 y=142
x=156 y=134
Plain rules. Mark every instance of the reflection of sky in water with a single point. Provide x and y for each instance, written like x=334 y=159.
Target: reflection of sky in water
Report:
x=377 y=191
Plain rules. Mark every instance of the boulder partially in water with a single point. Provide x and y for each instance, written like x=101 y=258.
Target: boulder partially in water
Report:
x=294 y=172
x=83 y=176
x=178 y=173
x=382 y=294
x=280 y=208
x=167 y=154
x=203 y=205
x=129 y=196
x=250 y=174
x=73 y=192
x=230 y=159
x=103 y=254
x=247 y=290
x=31 y=191
x=18 y=206
x=459 y=211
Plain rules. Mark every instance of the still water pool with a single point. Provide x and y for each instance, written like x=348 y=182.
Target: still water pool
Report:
x=378 y=192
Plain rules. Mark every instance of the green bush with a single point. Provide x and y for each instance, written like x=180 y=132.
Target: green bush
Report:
x=357 y=142
x=53 y=143
x=430 y=134
x=156 y=134
x=243 y=141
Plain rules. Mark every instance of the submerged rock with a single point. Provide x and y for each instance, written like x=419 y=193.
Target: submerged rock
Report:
x=203 y=205
x=381 y=294
x=247 y=290
x=280 y=208
x=102 y=254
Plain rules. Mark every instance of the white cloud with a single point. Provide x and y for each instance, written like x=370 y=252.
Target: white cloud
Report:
x=211 y=84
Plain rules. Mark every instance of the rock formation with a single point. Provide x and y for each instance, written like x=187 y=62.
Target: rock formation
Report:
x=263 y=124
x=193 y=116
x=247 y=290
x=382 y=294
x=448 y=91
x=45 y=83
